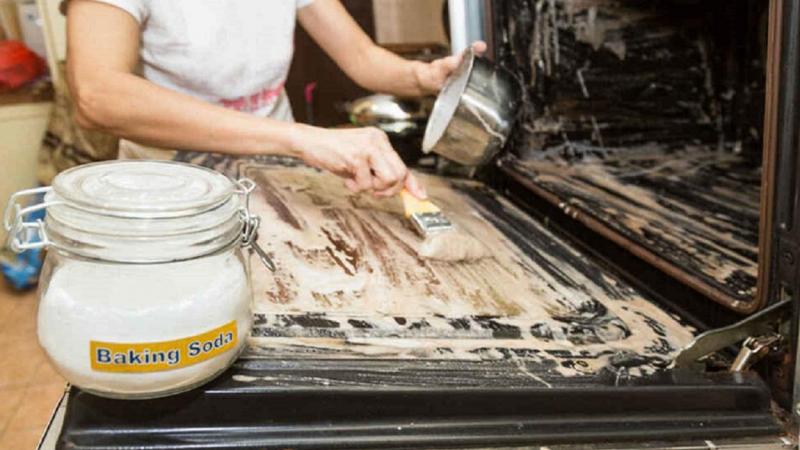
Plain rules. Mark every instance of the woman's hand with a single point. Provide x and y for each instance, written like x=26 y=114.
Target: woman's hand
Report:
x=431 y=76
x=362 y=156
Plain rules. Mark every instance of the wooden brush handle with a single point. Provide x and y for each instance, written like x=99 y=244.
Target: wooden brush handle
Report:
x=413 y=205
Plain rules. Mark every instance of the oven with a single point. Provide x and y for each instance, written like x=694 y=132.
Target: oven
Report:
x=641 y=221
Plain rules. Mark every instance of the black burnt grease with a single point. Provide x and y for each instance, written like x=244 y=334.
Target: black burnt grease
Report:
x=605 y=80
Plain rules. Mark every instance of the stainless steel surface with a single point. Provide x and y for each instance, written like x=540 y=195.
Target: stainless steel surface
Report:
x=467 y=18
x=49 y=438
x=391 y=114
x=474 y=113
x=754 y=349
x=762 y=322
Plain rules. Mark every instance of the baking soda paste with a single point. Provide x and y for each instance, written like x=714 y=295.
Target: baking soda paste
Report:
x=144 y=330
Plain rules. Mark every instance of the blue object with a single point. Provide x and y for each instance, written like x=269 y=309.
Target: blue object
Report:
x=23 y=271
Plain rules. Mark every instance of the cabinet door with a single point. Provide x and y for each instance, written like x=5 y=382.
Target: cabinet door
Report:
x=21 y=127
x=55 y=33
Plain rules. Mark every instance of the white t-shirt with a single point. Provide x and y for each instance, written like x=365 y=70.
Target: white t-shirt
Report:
x=231 y=52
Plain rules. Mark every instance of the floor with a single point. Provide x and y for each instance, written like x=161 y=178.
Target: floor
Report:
x=29 y=387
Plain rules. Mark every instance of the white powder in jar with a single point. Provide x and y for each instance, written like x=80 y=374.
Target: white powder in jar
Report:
x=127 y=303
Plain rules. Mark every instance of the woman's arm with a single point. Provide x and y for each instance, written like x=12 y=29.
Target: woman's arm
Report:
x=103 y=51
x=372 y=67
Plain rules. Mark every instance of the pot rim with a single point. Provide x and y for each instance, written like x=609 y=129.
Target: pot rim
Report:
x=441 y=117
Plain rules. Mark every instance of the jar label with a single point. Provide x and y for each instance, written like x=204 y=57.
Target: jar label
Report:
x=165 y=355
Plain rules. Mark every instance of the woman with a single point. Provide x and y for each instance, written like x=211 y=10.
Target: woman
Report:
x=213 y=74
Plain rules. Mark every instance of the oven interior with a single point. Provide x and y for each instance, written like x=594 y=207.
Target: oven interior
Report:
x=643 y=121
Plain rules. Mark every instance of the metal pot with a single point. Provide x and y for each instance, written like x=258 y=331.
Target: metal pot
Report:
x=393 y=115
x=474 y=112
x=403 y=120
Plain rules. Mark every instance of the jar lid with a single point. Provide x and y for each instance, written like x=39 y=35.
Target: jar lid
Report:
x=143 y=211
x=143 y=189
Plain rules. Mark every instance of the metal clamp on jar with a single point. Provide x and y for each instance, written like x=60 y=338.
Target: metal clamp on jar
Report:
x=145 y=290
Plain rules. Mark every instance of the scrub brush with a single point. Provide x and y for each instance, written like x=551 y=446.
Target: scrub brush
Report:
x=426 y=217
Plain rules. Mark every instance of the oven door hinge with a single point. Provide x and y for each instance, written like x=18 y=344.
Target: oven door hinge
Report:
x=758 y=329
x=754 y=349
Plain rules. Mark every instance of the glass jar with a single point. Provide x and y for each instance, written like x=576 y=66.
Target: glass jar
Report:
x=145 y=290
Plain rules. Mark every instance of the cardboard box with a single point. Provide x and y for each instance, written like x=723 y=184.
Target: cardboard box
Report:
x=409 y=22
